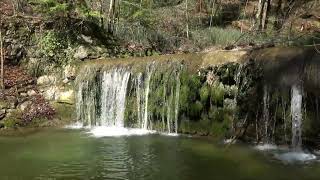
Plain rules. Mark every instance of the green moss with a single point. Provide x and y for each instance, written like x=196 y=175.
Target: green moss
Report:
x=196 y=109
x=217 y=93
x=64 y=112
x=204 y=94
x=10 y=122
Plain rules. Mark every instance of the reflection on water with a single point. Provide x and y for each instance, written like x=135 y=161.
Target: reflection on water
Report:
x=74 y=154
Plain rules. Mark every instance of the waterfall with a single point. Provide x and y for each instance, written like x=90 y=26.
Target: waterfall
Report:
x=142 y=95
x=113 y=97
x=296 y=115
x=139 y=100
x=266 y=117
x=147 y=90
x=169 y=107
x=176 y=108
x=101 y=98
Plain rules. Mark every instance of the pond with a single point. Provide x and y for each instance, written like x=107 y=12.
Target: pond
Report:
x=76 y=154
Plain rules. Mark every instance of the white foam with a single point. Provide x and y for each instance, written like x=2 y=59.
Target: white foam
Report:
x=229 y=141
x=103 y=131
x=291 y=157
x=77 y=125
x=170 y=134
x=266 y=147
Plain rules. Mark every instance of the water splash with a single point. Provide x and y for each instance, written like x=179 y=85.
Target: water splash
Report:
x=104 y=131
x=294 y=157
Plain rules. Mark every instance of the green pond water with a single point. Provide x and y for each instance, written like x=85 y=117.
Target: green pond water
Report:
x=74 y=154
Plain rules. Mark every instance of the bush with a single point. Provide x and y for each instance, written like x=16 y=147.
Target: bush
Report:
x=216 y=36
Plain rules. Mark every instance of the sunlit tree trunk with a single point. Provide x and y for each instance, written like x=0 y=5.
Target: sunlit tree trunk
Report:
x=2 y=59
x=111 y=15
x=262 y=14
x=187 y=20
x=213 y=6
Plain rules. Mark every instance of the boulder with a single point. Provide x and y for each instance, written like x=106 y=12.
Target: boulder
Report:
x=81 y=53
x=50 y=93
x=31 y=92
x=69 y=72
x=13 y=102
x=46 y=80
x=87 y=39
x=24 y=105
x=66 y=97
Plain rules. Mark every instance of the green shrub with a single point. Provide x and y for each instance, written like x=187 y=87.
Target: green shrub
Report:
x=216 y=36
x=10 y=122
x=204 y=94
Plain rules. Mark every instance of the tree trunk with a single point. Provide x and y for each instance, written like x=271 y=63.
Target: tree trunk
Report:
x=187 y=20
x=111 y=14
x=212 y=11
x=2 y=61
x=263 y=14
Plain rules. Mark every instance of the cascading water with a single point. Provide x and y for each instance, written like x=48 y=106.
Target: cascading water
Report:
x=119 y=97
x=177 y=98
x=101 y=99
x=113 y=97
x=147 y=90
x=266 y=116
x=142 y=93
x=296 y=115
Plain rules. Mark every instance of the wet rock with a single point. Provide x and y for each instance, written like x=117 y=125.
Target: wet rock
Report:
x=81 y=53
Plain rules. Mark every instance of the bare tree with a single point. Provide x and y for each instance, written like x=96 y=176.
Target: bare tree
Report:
x=262 y=15
x=2 y=57
x=187 y=19
x=111 y=15
x=18 y=6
